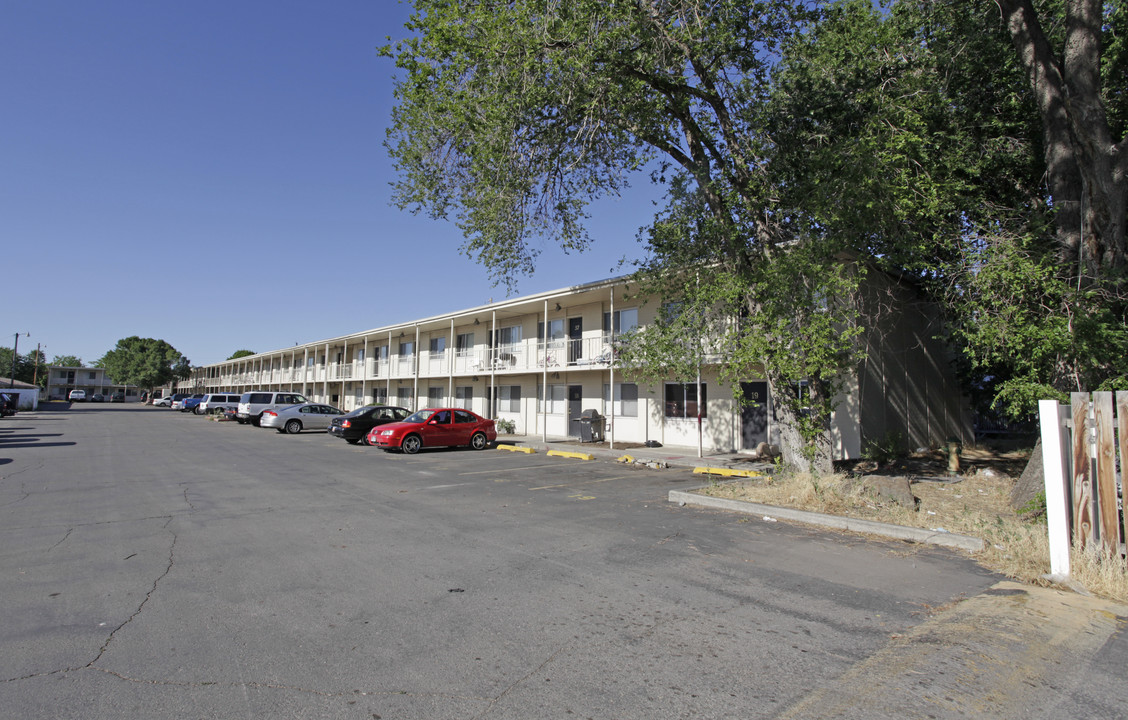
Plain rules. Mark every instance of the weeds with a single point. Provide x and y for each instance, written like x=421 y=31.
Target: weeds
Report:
x=1015 y=546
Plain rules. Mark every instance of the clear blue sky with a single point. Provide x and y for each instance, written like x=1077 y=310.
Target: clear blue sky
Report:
x=213 y=174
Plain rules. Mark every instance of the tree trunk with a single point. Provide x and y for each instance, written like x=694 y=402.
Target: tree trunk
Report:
x=1087 y=168
x=792 y=445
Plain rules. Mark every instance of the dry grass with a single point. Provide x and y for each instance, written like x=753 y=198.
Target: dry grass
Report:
x=978 y=505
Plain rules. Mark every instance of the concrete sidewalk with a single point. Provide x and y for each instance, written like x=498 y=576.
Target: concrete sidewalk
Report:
x=675 y=455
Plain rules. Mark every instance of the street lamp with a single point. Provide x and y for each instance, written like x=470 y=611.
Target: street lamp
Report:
x=15 y=354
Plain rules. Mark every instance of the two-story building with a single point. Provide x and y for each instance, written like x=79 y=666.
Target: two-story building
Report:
x=541 y=360
x=61 y=380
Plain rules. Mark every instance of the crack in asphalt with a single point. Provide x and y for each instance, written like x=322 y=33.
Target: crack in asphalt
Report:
x=21 y=472
x=20 y=499
x=63 y=540
x=148 y=595
x=110 y=638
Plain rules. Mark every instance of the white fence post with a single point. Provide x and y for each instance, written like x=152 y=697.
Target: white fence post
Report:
x=1055 y=437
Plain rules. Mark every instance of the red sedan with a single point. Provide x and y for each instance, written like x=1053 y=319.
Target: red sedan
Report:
x=435 y=428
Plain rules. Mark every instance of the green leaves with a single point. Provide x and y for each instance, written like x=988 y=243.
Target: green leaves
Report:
x=144 y=362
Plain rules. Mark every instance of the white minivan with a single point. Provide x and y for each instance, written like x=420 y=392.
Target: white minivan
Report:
x=217 y=402
x=251 y=404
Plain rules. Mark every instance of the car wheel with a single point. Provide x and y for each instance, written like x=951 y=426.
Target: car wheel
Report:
x=411 y=444
x=293 y=426
x=478 y=441
x=256 y=421
x=197 y=410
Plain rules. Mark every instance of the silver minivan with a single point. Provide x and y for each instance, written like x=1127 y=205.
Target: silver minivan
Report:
x=251 y=404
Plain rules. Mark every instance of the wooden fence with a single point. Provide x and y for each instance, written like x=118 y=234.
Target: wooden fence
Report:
x=1081 y=444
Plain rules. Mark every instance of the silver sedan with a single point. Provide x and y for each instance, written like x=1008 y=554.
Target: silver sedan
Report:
x=295 y=418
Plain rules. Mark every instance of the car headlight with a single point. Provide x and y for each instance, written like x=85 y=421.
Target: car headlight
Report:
x=387 y=432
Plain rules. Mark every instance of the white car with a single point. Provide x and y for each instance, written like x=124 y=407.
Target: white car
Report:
x=77 y=396
x=165 y=401
x=294 y=419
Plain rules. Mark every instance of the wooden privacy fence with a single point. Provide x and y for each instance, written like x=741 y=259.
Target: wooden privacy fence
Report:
x=1083 y=444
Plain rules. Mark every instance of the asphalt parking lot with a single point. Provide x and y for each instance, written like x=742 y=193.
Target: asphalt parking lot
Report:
x=157 y=564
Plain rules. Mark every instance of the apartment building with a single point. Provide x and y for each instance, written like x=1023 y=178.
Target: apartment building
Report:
x=542 y=360
x=61 y=380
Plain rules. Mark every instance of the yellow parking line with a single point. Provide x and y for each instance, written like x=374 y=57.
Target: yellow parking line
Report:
x=728 y=472
x=515 y=448
x=564 y=453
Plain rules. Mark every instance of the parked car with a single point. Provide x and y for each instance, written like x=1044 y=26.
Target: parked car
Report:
x=165 y=401
x=117 y=397
x=97 y=397
x=354 y=426
x=295 y=418
x=252 y=404
x=435 y=428
x=77 y=396
x=178 y=400
x=217 y=403
x=190 y=403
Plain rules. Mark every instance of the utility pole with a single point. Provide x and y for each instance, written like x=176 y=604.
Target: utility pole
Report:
x=15 y=354
x=35 y=375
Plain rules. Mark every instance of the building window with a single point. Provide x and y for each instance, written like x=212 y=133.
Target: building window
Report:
x=437 y=345
x=464 y=397
x=557 y=399
x=406 y=349
x=626 y=399
x=508 y=337
x=681 y=400
x=380 y=396
x=91 y=374
x=464 y=344
x=435 y=397
x=360 y=355
x=555 y=329
x=620 y=321
x=509 y=398
x=309 y=361
x=404 y=398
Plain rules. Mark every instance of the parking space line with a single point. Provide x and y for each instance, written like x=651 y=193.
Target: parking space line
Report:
x=577 y=484
x=496 y=470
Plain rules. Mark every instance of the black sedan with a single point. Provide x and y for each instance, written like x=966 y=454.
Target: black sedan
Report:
x=354 y=426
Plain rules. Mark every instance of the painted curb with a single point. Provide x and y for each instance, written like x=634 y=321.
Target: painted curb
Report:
x=728 y=472
x=515 y=448
x=564 y=453
x=897 y=532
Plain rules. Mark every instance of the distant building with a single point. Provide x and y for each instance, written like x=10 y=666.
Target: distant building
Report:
x=543 y=361
x=61 y=380
x=27 y=394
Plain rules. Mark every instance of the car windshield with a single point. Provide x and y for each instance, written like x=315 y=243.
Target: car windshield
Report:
x=420 y=417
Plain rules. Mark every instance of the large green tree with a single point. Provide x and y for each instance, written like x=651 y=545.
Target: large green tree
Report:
x=24 y=366
x=144 y=362
x=926 y=142
x=976 y=146
x=513 y=116
x=241 y=353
